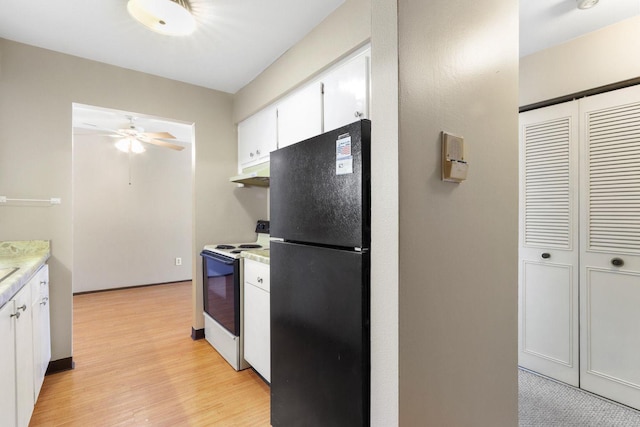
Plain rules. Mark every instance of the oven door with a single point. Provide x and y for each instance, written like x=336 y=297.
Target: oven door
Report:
x=221 y=292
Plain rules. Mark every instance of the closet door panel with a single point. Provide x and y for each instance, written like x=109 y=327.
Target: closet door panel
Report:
x=610 y=245
x=548 y=253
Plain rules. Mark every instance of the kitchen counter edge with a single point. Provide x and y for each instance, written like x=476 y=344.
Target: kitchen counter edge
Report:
x=29 y=256
x=261 y=255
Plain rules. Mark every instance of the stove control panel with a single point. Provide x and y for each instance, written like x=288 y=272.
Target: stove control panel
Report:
x=262 y=226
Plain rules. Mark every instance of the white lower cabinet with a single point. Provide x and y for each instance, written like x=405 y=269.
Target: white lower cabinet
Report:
x=7 y=366
x=25 y=343
x=41 y=327
x=257 y=317
x=24 y=356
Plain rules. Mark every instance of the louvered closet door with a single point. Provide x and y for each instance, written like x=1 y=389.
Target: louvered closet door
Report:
x=548 y=256
x=610 y=217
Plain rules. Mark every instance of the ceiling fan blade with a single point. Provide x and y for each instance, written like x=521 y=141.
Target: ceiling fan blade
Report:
x=165 y=144
x=162 y=135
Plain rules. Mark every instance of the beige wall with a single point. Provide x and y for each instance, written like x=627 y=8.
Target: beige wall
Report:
x=137 y=208
x=342 y=32
x=605 y=56
x=37 y=88
x=458 y=242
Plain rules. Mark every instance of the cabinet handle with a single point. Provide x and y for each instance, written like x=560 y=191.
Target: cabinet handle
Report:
x=259 y=279
x=43 y=282
x=546 y=255
x=16 y=315
x=618 y=262
x=23 y=307
x=258 y=152
x=250 y=154
x=357 y=114
x=44 y=301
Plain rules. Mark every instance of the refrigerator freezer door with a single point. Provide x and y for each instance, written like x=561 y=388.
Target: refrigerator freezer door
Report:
x=319 y=336
x=311 y=201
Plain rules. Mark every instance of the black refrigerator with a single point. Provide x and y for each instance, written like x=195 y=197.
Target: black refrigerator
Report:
x=320 y=193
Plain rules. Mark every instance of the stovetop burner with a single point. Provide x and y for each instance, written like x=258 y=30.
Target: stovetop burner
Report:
x=233 y=250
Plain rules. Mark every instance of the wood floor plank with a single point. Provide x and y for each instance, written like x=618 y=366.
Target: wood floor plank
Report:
x=136 y=364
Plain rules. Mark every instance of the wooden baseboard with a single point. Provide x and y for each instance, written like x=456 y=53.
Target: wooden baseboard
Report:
x=60 y=365
x=197 y=334
x=131 y=287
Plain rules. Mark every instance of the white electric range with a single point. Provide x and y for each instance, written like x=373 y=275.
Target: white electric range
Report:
x=222 y=273
x=233 y=250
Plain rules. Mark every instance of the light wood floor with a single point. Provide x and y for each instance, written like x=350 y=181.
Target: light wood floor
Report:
x=136 y=364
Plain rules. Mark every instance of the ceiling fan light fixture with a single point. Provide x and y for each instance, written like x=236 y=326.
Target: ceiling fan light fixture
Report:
x=130 y=145
x=169 y=17
x=586 y=4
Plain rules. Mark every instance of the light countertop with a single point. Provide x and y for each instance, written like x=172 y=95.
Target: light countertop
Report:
x=260 y=255
x=26 y=255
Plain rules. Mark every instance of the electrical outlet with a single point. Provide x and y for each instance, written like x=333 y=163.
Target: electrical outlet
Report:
x=178 y=261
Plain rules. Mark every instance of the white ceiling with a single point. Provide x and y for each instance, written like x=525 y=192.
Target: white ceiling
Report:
x=92 y=120
x=546 y=23
x=234 y=42
x=237 y=39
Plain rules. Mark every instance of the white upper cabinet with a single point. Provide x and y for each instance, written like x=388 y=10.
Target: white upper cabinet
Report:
x=257 y=138
x=300 y=115
x=334 y=99
x=346 y=93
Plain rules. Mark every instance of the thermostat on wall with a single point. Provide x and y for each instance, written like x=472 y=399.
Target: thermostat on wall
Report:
x=454 y=163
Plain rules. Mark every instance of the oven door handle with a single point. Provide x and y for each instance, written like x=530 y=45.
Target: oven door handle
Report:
x=220 y=258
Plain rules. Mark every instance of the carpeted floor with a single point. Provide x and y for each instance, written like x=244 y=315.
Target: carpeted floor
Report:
x=549 y=403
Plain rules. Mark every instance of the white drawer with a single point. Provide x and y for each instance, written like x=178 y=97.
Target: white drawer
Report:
x=257 y=274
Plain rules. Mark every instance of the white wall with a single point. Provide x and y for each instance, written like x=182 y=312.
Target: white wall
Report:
x=385 y=215
x=131 y=217
x=37 y=89
x=605 y=56
x=458 y=68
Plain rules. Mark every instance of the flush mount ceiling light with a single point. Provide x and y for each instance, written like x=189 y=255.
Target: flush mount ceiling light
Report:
x=170 y=17
x=586 y=4
x=130 y=145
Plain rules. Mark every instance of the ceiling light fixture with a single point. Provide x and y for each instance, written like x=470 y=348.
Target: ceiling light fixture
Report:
x=586 y=4
x=130 y=145
x=169 y=17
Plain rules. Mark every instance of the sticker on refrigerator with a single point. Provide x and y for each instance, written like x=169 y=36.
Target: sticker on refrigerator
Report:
x=344 y=159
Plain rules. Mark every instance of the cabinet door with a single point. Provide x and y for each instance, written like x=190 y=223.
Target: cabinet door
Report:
x=300 y=115
x=7 y=366
x=257 y=137
x=41 y=327
x=257 y=336
x=610 y=245
x=346 y=93
x=24 y=356
x=548 y=255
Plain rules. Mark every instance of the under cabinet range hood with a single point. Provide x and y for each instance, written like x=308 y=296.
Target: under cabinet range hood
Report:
x=256 y=175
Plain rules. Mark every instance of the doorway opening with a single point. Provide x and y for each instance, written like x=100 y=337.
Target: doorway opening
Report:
x=132 y=211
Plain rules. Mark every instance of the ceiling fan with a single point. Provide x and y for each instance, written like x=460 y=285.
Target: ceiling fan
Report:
x=132 y=136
